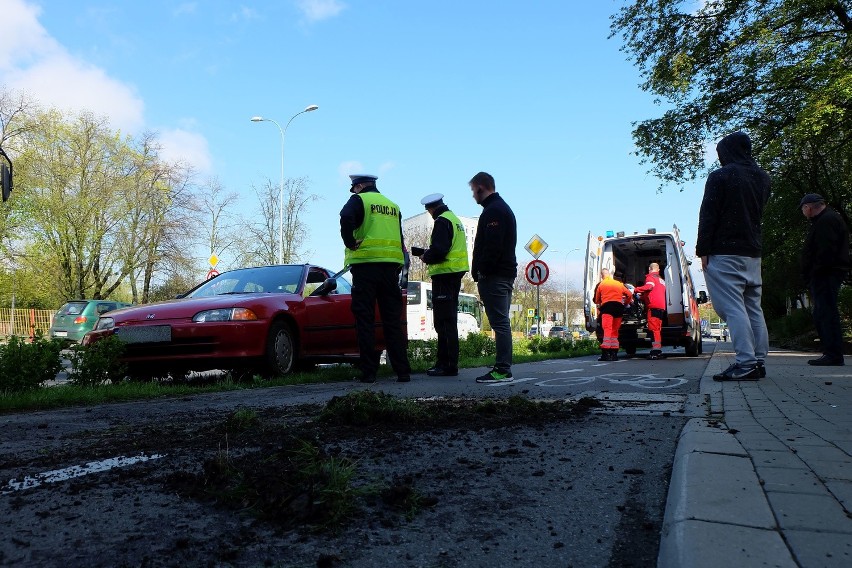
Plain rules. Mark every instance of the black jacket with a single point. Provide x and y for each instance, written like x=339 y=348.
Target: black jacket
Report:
x=826 y=245
x=441 y=239
x=496 y=237
x=734 y=198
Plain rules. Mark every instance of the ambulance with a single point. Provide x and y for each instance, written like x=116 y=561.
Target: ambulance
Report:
x=627 y=257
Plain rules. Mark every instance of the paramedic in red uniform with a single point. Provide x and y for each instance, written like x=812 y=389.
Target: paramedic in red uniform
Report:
x=611 y=296
x=654 y=297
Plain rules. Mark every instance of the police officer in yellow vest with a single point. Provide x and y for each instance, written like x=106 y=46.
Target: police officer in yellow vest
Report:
x=447 y=261
x=371 y=228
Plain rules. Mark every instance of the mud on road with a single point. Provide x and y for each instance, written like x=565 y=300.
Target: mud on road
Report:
x=464 y=484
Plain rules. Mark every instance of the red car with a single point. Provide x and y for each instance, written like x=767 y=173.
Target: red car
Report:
x=267 y=318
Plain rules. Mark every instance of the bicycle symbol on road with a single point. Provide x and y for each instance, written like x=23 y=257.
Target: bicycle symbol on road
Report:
x=647 y=381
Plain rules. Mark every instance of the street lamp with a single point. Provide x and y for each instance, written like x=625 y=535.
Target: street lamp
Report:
x=283 y=131
x=566 y=286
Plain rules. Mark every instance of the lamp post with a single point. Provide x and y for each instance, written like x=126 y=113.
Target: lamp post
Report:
x=283 y=131
x=566 y=286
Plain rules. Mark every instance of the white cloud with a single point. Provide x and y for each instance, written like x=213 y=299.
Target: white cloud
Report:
x=316 y=10
x=34 y=63
x=244 y=14
x=179 y=145
x=185 y=8
x=345 y=169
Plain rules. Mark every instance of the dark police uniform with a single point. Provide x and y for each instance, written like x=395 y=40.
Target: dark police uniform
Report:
x=371 y=229
x=447 y=261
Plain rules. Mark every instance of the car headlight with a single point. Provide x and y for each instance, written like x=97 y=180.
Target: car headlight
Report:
x=227 y=314
x=105 y=323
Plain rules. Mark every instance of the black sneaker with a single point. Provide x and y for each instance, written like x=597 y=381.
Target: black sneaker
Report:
x=495 y=376
x=761 y=368
x=737 y=373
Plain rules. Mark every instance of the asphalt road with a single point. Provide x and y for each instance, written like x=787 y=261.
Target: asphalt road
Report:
x=595 y=497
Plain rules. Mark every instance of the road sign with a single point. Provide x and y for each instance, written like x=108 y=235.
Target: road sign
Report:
x=537 y=272
x=213 y=260
x=530 y=312
x=212 y=273
x=536 y=246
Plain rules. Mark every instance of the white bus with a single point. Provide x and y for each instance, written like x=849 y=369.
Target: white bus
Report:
x=421 y=324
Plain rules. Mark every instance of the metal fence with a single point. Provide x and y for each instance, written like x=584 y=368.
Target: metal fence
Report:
x=24 y=322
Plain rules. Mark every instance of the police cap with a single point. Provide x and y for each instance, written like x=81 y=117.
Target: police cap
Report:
x=433 y=200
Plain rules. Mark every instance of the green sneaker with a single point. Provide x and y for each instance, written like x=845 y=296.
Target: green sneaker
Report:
x=495 y=376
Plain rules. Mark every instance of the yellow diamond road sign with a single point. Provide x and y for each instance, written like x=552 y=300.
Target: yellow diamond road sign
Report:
x=536 y=246
x=213 y=260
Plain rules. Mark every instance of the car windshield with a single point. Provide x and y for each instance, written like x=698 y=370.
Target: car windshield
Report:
x=264 y=279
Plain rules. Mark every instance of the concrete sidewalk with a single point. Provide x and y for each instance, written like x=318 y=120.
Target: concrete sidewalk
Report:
x=766 y=478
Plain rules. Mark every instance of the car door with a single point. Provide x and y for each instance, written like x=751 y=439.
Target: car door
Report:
x=329 y=324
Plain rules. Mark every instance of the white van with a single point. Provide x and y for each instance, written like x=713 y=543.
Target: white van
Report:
x=627 y=257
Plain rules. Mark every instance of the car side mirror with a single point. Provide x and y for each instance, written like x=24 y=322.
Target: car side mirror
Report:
x=702 y=297
x=327 y=287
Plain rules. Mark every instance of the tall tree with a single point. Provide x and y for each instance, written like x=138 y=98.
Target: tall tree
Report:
x=778 y=69
x=262 y=230
x=159 y=229
x=74 y=171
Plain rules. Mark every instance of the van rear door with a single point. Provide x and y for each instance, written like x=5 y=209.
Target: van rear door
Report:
x=590 y=278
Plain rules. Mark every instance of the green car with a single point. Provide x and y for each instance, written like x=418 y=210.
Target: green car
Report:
x=78 y=317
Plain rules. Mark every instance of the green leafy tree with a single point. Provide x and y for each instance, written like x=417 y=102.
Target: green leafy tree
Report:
x=777 y=69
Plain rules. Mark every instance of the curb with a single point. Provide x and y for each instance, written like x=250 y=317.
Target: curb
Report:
x=717 y=513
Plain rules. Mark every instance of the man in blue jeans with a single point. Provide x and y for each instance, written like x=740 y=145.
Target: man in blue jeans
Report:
x=730 y=245
x=494 y=268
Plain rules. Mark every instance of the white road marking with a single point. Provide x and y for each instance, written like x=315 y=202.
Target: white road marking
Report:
x=57 y=475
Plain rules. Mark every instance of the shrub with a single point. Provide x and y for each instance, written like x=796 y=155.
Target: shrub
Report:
x=98 y=363
x=477 y=345
x=535 y=344
x=26 y=365
x=553 y=345
x=798 y=323
x=844 y=303
x=422 y=350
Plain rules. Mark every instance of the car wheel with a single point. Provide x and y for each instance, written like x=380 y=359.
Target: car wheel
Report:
x=280 y=350
x=630 y=350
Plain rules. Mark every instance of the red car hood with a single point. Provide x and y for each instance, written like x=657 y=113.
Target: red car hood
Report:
x=186 y=308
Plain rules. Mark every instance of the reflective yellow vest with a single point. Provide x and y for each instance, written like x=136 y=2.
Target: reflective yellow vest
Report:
x=379 y=233
x=456 y=260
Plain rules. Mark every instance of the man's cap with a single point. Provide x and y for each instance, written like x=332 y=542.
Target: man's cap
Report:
x=811 y=198
x=361 y=178
x=433 y=200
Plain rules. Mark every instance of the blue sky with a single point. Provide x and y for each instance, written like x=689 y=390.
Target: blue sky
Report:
x=423 y=94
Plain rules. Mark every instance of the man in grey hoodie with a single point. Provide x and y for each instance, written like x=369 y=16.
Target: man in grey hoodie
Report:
x=729 y=244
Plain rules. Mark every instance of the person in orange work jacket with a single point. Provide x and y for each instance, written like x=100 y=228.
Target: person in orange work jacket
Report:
x=611 y=296
x=654 y=296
